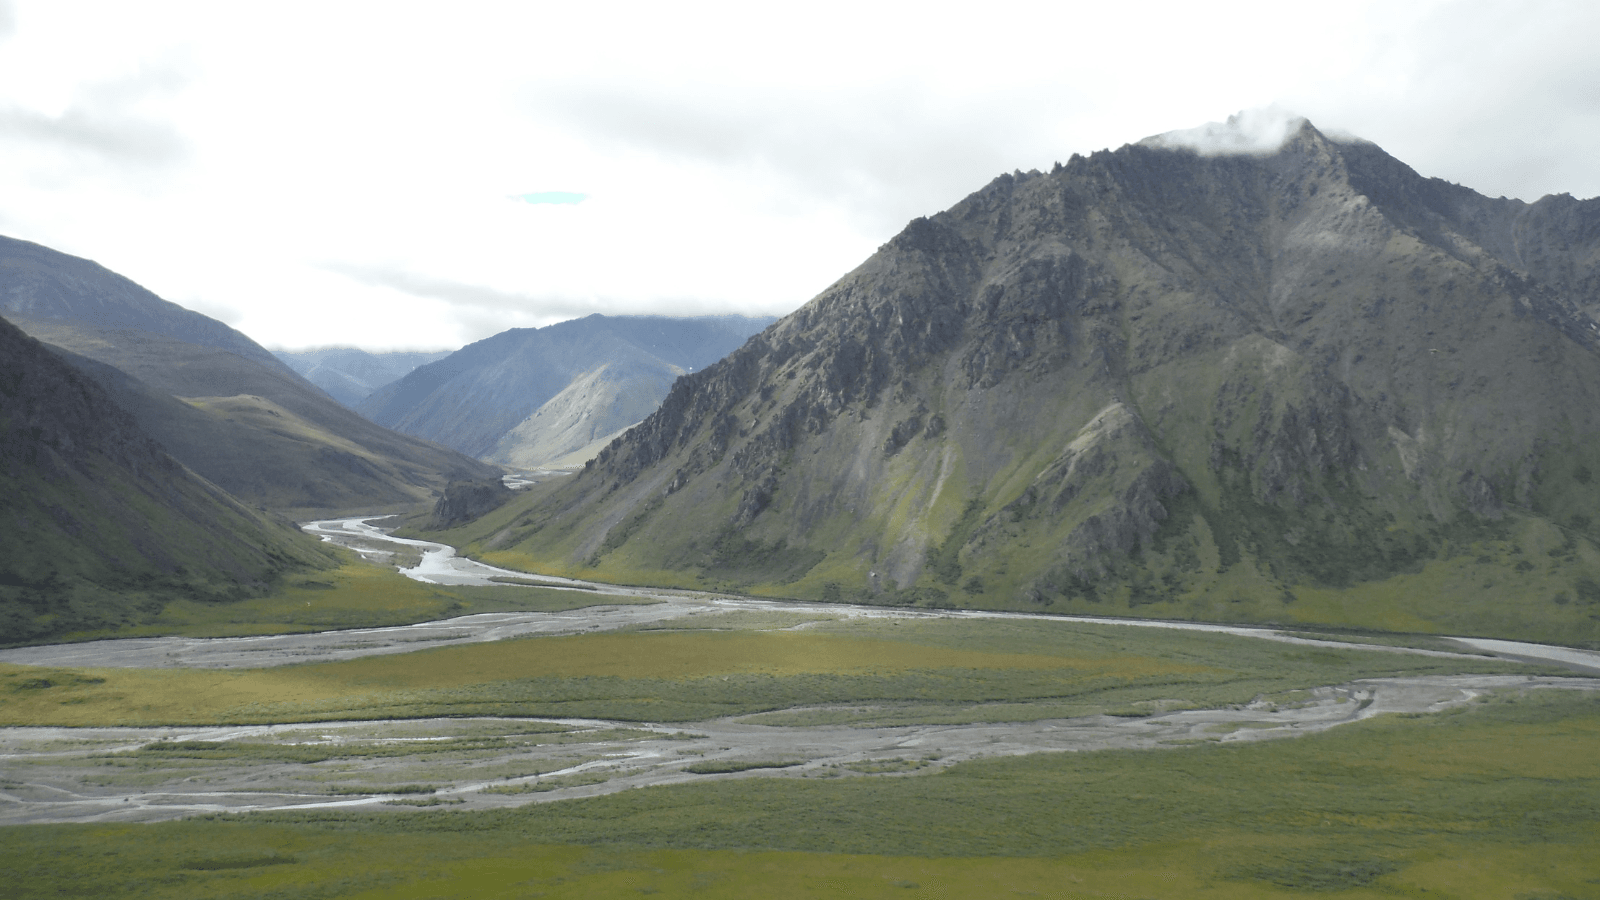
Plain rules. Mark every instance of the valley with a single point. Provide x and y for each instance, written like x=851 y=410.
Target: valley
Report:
x=596 y=728
x=1105 y=685
x=1167 y=524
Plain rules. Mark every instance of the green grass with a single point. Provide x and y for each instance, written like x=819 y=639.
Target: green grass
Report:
x=1420 y=641
x=923 y=671
x=355 y=595
x=729 y=766
x=1497 y=800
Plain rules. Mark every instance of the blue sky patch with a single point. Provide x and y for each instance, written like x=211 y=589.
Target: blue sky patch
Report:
x=550 y=197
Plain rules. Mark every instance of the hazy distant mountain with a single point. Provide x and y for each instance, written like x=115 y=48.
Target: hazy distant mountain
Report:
x=101 y=526
x=571 y=427
x=599 y=374
x=349 y=374
x=243 y=419
x=1305 y=385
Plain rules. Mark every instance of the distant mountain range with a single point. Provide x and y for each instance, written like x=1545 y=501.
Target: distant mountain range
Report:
x=101 y=525
x=213 y=398
x=533 y=397
x=1308 y=385
x=349 y=375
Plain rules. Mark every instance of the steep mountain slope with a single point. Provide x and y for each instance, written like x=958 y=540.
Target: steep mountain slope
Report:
x=475 y=398
x=349 y=375
x=1309 y=385
x=101 y=525
x=246 y=421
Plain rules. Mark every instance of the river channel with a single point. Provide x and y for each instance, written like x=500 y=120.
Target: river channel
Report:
x=143 y=774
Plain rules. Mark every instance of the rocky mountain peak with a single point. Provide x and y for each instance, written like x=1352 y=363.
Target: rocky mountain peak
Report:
x=1212 y=337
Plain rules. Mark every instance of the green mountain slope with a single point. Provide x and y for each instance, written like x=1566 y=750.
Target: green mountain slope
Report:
x=264 y=435
x=1310 y=385
x=101 y=525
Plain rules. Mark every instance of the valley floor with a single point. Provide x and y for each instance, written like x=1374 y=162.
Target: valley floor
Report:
x=726 y=708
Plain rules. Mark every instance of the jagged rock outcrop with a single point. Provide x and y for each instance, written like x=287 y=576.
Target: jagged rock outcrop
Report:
x=463 y=501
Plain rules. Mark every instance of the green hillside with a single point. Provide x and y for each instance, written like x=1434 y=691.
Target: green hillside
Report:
x=103 y=527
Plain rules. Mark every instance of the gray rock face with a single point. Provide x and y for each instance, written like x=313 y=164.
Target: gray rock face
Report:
x=464 y=501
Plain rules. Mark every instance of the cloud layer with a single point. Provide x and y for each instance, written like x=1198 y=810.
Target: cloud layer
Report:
x=340 y=174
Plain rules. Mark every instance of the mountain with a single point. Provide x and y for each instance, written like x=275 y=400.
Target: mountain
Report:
x=1304 y=385
x=214 y=399
x=349 y=375
x=101 y=525
x=39 y=283
x=530 y=396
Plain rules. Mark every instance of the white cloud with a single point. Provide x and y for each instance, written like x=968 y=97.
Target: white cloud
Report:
x=338 y=173
x=1251 y=132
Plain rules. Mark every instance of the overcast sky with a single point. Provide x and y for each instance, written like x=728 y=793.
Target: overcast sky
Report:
x=390 y=175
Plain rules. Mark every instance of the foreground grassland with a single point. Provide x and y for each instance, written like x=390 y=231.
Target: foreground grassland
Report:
x=1497 y=800
x=355 y=595
x=886 y=672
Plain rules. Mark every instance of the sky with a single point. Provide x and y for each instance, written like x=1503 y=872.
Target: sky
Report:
x=396 y=175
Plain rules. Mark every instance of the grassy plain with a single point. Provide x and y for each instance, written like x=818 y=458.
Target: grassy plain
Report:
x=354 y=595
x=1497 y=800
x=889 y=672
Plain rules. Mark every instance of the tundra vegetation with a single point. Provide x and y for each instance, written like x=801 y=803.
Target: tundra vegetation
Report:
x=1495 y=797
